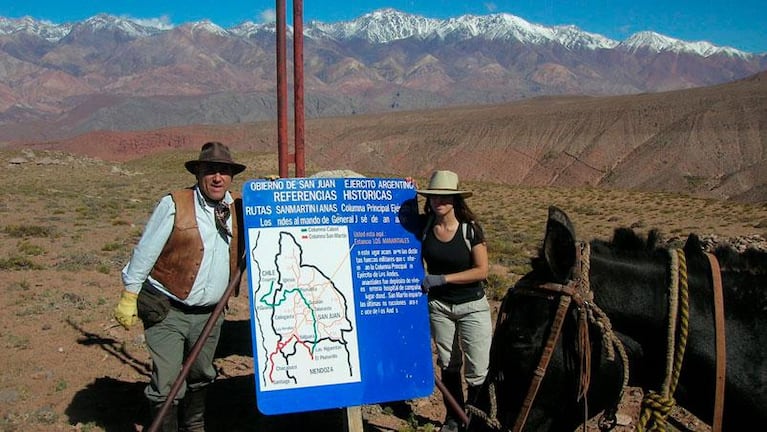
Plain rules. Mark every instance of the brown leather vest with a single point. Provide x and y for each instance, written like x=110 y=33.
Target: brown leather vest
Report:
x=180 y=259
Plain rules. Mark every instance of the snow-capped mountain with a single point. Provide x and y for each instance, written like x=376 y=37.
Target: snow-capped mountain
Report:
x=381 y=61
x=388 y=25
x=382 y=26
x=103 y=22
x=27 y=25
x=659 y=43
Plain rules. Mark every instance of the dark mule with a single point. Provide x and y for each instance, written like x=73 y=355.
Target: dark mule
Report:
x=630 y=279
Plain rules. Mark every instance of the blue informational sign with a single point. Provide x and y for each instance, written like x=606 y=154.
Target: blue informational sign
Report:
x=334 y=271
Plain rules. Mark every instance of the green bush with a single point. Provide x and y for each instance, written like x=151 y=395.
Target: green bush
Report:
x=76 y=262
x=497 y=285
x=15 y=262
x=21 y=231
x=30 y=249
x=112 y=246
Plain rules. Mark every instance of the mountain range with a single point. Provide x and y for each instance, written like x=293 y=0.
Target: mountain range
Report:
x=708 y=142
x=58 y=81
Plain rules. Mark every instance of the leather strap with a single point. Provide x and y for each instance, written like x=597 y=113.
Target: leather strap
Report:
x=543 y=364
x=721 y=353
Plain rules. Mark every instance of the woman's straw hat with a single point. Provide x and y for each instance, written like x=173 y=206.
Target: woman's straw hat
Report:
x=444 y=182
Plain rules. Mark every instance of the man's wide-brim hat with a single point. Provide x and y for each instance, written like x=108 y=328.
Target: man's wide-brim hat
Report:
x=214 y=152
x=444 y=182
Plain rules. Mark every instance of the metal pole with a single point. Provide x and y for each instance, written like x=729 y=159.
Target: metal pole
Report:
x=195 y=352
x=298 y=86
x=282 y=91
x=452 y=402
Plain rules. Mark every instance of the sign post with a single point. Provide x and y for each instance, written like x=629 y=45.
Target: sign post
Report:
x=334 y=271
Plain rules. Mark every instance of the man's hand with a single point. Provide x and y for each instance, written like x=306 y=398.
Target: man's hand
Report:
x=126 y=312
x=432 y=281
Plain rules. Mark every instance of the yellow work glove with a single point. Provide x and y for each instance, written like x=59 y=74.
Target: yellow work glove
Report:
x=126 y=312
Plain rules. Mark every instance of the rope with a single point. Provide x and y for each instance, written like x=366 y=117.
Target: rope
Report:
x=584 y=301
x=684 y=324
x=611 y=343
x=673 y=305
x=590 y=312
x=491 y=417
x=656 y=406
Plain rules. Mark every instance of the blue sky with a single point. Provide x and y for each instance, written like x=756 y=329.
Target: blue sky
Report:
x=738 y=24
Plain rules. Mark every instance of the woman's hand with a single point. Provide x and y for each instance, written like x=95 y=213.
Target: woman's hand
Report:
x=432 y=281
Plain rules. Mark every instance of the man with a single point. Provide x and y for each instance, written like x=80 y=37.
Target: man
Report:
x=185 y=260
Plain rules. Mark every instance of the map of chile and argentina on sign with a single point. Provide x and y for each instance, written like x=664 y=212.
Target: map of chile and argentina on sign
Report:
x=337 y=314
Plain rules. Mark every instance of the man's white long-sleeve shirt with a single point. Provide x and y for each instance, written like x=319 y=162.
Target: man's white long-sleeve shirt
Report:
x=213 y=275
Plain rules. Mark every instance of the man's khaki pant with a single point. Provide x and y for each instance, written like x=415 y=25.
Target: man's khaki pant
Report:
x=169 y=343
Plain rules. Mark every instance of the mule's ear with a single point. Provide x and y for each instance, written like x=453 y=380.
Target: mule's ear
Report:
x=693 y=245
x=559 y=245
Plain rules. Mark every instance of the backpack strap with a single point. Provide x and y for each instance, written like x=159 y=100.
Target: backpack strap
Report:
x=466 y=230
x=466 y=239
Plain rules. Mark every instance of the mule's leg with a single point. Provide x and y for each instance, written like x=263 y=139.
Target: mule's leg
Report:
x=451 y=378
x=473 y=394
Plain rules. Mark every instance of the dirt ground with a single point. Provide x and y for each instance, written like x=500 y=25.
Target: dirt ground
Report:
x=66 y=230
x=69 y=366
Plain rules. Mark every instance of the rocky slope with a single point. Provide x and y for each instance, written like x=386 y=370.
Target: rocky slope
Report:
x=707 y=142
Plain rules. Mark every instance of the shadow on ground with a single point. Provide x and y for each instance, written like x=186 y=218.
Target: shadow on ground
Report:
x=118 y=406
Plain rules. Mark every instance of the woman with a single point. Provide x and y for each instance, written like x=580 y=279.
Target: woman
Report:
x=455 y=254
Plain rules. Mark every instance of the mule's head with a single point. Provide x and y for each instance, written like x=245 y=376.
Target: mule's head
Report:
x=518 y=342
x=522 y=332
